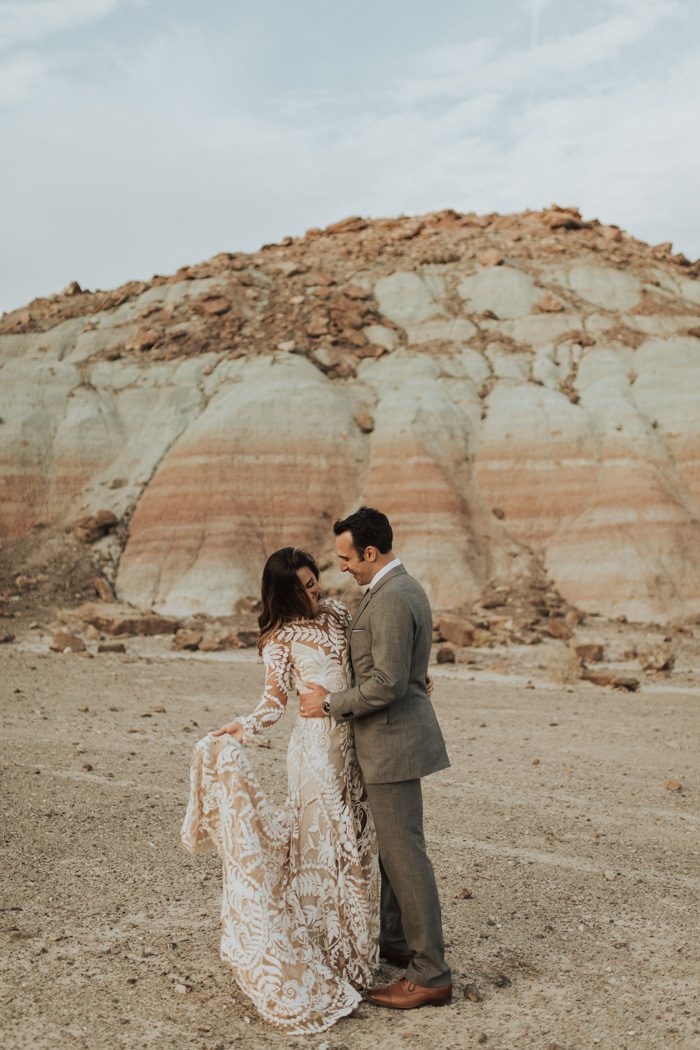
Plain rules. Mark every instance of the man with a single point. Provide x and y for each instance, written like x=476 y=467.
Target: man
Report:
x=398 y=741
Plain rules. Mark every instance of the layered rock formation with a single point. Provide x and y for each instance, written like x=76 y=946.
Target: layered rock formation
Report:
x=515 y=391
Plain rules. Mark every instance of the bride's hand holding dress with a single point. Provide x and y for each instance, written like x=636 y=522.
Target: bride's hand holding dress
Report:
x=232 y=729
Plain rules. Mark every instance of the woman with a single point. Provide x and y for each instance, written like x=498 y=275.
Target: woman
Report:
x=300 y=908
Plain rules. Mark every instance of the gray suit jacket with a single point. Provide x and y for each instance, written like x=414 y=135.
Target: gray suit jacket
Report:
x=397 y=736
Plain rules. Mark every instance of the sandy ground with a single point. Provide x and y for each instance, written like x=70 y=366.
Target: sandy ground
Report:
x=578 y=928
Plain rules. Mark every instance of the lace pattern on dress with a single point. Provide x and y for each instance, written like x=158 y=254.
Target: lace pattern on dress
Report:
x=300 y=907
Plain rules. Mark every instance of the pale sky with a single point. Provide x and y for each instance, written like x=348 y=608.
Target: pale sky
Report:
x=137 y=136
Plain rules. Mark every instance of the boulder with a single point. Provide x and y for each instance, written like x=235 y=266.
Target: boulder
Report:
x=103 y=589
x=591 y=652
x=456 y=629
x=118 y=619
x=62 y=641
x=609 y=678
x=557 y=629
x=658 y=658
x=186 y=639
x=94 y=526
x=445 y=655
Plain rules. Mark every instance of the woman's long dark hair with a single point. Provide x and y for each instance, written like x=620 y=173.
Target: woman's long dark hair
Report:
x=283 y=597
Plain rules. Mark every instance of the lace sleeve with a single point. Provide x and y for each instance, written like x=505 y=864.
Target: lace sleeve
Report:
x=278 y=686
x=339 y=612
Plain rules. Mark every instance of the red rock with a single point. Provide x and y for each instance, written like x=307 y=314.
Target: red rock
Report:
x=145 y=339
x=317 y=325
x=457 y=630
x=609 y=678
x=369 y=350
x=211 y=305
x=103 y=589
x=563 y=218
x=364 y=422
x=247 y=639
x=185 y=639
x=210 y=645
x=490 y=257
x=62 y=640
x=658 y=659
x=118 y=619
x=94 y=526
x=590 y=653
x=549 y=304
x=353 y=224
x=557 y=629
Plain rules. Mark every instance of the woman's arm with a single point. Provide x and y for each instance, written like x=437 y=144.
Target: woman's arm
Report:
x=278 y=666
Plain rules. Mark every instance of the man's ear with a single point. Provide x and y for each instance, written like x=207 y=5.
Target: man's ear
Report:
x=371 y=553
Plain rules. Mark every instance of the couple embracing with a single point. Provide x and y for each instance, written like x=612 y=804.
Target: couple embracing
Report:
x=315 y=892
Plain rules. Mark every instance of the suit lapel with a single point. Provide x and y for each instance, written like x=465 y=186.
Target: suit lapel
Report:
x=398 y=571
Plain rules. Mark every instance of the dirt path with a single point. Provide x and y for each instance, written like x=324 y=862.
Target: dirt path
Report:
x=583 y=869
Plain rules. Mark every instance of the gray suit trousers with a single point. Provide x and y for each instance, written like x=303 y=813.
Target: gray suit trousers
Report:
x=411 y=919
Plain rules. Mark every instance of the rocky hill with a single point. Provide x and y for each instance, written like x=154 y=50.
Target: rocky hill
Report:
x=520 y=393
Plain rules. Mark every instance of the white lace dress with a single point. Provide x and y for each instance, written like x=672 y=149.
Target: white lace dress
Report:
x=300 y=907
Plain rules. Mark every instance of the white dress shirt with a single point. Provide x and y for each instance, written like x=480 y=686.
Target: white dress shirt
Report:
x=383 y=571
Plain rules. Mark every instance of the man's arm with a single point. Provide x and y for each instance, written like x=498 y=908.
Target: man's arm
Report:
x=392 y=649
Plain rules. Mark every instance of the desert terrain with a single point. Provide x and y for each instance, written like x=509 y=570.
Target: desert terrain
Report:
x=564 y=836
x=520 y=394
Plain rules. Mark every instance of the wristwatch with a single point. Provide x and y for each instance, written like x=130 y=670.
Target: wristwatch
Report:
x=326 y=707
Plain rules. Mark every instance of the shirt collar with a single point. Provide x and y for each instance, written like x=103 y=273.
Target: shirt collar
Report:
x=382 y=572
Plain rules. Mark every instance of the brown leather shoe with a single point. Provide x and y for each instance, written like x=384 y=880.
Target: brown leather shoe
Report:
x=392 y=956
x=405 y=995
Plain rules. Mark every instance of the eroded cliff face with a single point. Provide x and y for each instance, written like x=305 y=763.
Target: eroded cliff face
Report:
x=514 y=391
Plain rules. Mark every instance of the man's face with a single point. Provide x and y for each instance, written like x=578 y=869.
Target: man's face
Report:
x=362 y=570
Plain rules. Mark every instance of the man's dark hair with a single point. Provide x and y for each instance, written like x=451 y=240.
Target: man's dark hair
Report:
x=368 y=528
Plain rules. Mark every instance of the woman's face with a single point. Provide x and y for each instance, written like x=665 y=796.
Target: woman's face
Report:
x=312 y=588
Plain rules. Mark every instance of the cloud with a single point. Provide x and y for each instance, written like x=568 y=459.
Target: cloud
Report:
x=169 y=150
x=28 y=21
x=489 y=64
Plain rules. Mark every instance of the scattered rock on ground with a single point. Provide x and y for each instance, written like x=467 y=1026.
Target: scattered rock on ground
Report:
x=92 y=527
x=658 y=658
x=62 y=640
x=609 y=678
x=118 y=619
x=456 y=629
x=445 y=655
x=590 y=653
x=185 y=639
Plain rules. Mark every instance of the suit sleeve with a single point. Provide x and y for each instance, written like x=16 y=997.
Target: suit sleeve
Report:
x=392 y=648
